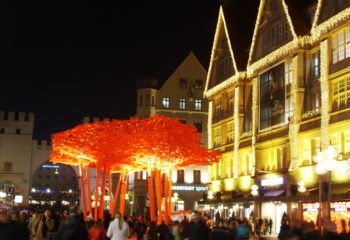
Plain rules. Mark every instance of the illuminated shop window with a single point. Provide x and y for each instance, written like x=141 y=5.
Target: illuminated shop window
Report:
x=316 y=146
x=306 y=152
x=341 y=45
x=182 y=103
x=335 y=141
x=347 y=142
x=198 y=104
x=166 y=102
x=341 y=93
x=227 y=167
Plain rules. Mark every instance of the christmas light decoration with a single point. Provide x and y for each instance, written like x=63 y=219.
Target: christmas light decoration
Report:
x=294 y=121
x=236 y=132
x=225 y=84
x=317 y=14
x=255 y=112
x=324 y=94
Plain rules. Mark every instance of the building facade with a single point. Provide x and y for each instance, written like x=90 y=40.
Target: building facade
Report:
x=26 y=176
x=276 y=102
x=181 y=97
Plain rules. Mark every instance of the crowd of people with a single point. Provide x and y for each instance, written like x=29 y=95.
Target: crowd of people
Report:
x=69 y=225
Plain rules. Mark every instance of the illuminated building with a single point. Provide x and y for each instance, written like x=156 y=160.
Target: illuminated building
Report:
x=274 y=102
x=181 y=97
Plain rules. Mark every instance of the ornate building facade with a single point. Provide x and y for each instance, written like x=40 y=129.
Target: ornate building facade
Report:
x=278 y=94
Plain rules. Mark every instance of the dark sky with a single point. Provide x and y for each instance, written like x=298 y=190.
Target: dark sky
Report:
x=67 y=59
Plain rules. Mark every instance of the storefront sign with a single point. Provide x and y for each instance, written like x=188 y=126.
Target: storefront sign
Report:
x=50 y=166
x=272 y=181
x=189 y=188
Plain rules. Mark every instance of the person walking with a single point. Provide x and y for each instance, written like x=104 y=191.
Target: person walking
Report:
x=74 y=228
x=97 y=231
x=118 y=229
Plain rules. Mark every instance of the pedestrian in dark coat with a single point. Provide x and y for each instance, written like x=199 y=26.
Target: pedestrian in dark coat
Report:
x=74 y=227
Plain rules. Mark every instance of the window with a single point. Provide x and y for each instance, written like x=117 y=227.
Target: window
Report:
x=218 y=105
x=147 y=100
x=229 y=128
x=182 y=83
x=26 y=117
x=198 y=125
x=347 y=142
x=16 y=116
x=2 y=130
x=230 y=100
x=180 y=176
x=199 y=84
x=140 y=100
x=152 y=100
x=166 y=102
x=341 y=45
x=307 y=152
x=196 y=176
x=6 y=116
x=7 y=166
x=217 y=136
x=341 y=93
x=182 y=103
x=18 y=131
x=288 y=71
x=316 y=146
x=315 y=65
x=198 y=104
x=275 y=34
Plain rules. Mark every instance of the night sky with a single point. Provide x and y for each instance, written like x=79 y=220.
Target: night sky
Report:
x=67 y=59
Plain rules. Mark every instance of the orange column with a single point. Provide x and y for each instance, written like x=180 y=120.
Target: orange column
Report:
x=116 y=194
x=103 y=190
x=110 y=189
x=151 y=197
x=81 y=171
x=166 y=198
x=88 y=188
x=97 y=183
x=122 y=196
x=159 y=194
x=170 y=191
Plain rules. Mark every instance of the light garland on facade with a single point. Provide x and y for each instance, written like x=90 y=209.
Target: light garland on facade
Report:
x=261 y=7
x=294 y=123
x=317 y=14
x=221 y=22
x=254 y=124
x=330 y=24
x=311 y=114
x=246 y=134
x=236 y=133
x=225 y=84
x=209 y=127
x=324 y=94
x=285 y=8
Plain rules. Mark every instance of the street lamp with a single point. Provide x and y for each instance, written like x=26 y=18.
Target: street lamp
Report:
x=326 y=162
x=254 y=189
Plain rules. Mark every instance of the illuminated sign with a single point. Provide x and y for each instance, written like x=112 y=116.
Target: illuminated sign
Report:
x=272 y=181
x=50 y=166
x=189 y=188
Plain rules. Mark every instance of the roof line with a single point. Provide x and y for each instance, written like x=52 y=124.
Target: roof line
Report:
x=317 y=14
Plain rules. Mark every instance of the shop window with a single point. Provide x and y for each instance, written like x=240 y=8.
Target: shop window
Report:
x=198 y=104
x=180 y=176
x=196 y=176
x=341 y=45
x=347 y=143
x=166 y=102
x=306 y=153
x=227 y=167
x=335 y=141
x=316 y=146
x=182 y=103
x=315 y=65
x=7 y=166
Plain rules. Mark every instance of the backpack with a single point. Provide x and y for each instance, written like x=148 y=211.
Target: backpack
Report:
x=242 y=231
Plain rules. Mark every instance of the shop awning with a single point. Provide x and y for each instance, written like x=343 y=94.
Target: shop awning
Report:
x=274 y=193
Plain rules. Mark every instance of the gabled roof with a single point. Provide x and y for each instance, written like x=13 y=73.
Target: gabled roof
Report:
x=297 y=11
x=297 y=18
x=237 y=21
